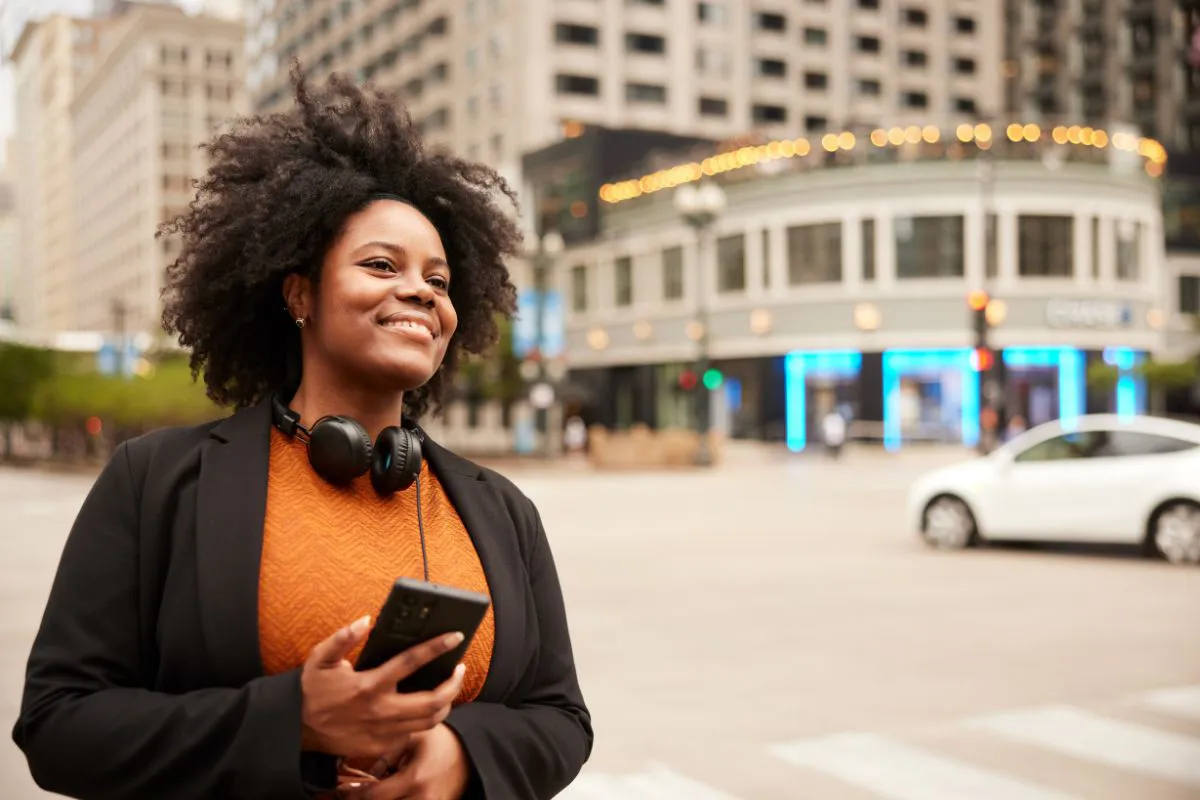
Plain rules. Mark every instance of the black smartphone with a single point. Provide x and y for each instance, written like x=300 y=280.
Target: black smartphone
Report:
x=414 y=612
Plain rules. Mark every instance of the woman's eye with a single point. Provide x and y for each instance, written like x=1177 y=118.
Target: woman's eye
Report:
x=380 y=264
x=439 y=282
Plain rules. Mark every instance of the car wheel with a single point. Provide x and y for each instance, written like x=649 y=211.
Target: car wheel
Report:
x=1175 y=532
x=949 y=524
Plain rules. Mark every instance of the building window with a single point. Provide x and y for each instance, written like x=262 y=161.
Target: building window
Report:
x=867 y=44
x=817 y=81
x=1129 y=239
x=771 y=68
x=767 y=115
x=1189 y=294
x=645 y=93
x=579 y=288
x=565 y=33
x=814 y=253
x=929 y=247
x=672 y=273
x=645 y=43
x=868 y=249
x=576 y=84
x=816 y=37
x=915 y=17
x=1096 y=248
x=868 y=87
x=770 y=22
x=731 y=264
x=964 y=66
x=711 y=13
x=869 y=5
x=623 y=281
x=991 y=247
x=711 y=61
x=765 y=257
x=713 y=107
x=1045 y=246
x=915 y=58
x=964 y=25
x=813 y=122
x=964 y=105
x=914 y=100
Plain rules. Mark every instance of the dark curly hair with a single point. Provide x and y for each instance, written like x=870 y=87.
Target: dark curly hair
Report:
x=278 y=192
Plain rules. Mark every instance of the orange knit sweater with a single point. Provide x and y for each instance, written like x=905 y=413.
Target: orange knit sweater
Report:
x=331 y=555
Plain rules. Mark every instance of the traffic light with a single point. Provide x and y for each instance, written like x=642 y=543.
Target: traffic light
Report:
x=687 y=380
x=713 y=379
x=978 y=303
x=983 y=359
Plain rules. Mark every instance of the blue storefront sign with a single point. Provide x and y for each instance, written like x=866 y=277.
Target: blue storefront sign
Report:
x=525 y=325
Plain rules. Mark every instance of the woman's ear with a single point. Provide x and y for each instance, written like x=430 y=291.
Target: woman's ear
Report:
x=297 y=296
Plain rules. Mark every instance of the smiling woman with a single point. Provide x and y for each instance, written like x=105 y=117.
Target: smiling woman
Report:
x=198 y=641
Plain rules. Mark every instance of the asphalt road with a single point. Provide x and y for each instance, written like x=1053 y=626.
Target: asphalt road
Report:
x=772 y=630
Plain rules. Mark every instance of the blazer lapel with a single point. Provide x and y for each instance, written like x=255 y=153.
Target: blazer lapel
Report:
x=491 y=528
x=231 y=506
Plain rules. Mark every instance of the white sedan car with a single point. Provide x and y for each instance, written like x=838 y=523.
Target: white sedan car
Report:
x=1104 y=479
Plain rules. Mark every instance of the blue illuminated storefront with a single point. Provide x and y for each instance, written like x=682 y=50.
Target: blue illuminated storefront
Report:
x=935 y=393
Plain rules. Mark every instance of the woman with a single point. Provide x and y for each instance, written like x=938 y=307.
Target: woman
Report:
x=198 y=640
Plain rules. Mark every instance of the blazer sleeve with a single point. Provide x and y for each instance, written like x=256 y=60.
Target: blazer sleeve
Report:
x=89 y=726
x=532 y=747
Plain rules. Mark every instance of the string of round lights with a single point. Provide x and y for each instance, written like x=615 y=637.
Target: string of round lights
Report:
x=981 y=135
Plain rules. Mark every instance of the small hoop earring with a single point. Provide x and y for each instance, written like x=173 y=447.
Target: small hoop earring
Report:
x=300 y=322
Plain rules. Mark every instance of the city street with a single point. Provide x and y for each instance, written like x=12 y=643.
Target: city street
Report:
x=771 y=629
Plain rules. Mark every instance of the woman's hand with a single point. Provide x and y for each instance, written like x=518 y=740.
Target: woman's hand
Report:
x=433 y=767
x=360 y=714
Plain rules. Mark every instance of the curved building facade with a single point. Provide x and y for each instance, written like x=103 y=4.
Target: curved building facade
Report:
x=838 y=273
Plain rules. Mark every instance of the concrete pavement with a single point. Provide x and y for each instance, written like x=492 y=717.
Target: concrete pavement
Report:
x=771 y=630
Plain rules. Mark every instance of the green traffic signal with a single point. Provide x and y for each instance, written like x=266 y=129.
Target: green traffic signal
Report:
x=713 y=379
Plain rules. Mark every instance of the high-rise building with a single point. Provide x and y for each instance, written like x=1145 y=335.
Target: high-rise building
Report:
x=9 y=241
x=1106 y=63
x=49 y=58
x=164 y=82
x=493 y=79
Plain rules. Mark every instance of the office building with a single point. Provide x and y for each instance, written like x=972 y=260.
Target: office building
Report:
x=49 y=57
x=493 y=79
x=1104 y=63
x=839 y=275
x=9 y=240
x=163 y=84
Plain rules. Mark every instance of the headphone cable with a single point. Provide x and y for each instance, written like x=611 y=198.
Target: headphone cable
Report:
x=421 y=530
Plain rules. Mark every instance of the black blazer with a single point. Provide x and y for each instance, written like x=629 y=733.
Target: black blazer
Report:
x=145 y=681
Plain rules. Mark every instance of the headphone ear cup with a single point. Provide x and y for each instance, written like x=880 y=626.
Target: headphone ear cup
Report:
x=339 y=450
x=396 y=461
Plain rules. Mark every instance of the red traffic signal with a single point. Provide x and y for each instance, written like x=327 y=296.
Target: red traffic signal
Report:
x=688 y=380
x=983 y=359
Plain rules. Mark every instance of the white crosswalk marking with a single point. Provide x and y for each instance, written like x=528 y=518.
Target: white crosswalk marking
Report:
x=1099 y=739
x=656 y=783
x=1181 y=702
x=901 y=772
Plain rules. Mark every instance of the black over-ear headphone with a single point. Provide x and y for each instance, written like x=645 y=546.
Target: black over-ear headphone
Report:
x=340 y=450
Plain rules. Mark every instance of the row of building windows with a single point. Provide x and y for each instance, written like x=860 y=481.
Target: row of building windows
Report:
x=653 y=44
x=172 y=55
x=925 y=247
x=762 y=113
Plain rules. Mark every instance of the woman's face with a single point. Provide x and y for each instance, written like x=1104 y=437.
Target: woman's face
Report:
x=382 y=315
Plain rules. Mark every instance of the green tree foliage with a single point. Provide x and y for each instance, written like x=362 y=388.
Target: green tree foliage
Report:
x=166 y=396
x=22 y=371
x=1158 y=374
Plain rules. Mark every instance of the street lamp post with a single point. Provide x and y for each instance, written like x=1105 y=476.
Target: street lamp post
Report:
x=700 y=206
x=550 y=246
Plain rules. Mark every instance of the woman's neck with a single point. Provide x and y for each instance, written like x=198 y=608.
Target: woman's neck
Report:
x=321 y=398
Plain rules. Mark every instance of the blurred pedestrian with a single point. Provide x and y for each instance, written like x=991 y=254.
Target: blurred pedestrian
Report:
x=197 y=642
x=833 y=432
